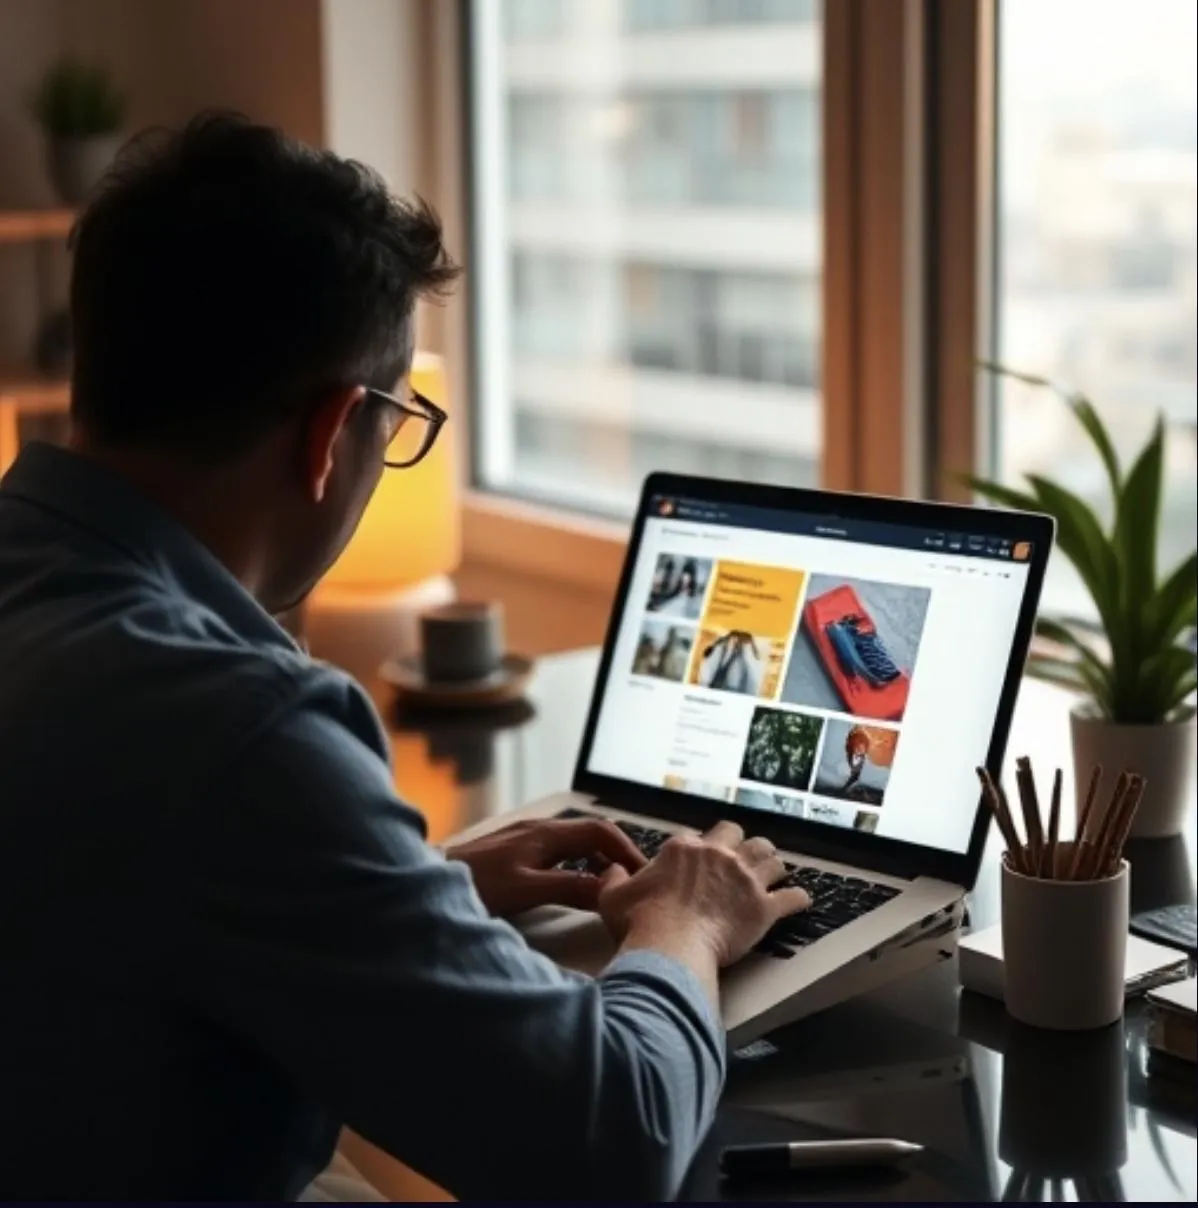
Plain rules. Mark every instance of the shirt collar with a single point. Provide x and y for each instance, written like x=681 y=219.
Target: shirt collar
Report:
x=99 y=501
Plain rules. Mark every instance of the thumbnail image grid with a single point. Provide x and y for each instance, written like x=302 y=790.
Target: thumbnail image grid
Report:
x=857 y=647
x=663 y=650
x=678 y=587
x=855 y=762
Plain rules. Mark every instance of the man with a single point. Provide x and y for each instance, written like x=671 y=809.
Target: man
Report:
x=223 y=936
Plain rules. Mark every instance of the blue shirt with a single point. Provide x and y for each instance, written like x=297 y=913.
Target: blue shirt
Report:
x=222 y=936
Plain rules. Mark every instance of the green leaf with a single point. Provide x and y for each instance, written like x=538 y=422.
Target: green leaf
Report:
x=1097 y=431
x=1165 y=680
x=1028 y=379
x=1081 y=539
x=1081 y=407
x=1009 y=497
x=1137 y=515
x=1147 y=676
x=1185 y=690
x=1167 y=667
x=78 y=99
x=1174 y=607
x=1056 y=671
x=1055 y=631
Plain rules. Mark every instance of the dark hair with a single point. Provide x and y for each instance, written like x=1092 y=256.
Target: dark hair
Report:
x=226 y=274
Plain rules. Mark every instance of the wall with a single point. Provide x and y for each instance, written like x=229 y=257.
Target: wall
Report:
x=173 y=57
x=30 y=32
x=262 y=58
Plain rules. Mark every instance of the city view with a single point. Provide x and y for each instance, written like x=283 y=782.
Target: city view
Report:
x=1098 y=243
x=661 y=243
x=656 y=261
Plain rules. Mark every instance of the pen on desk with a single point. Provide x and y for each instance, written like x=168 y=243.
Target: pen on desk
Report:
x=763 y=1161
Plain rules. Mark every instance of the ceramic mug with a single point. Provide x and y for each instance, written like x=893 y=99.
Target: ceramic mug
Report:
x=462 y=642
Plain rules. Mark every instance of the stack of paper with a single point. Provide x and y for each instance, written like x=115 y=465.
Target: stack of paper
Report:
x=1172 y=1020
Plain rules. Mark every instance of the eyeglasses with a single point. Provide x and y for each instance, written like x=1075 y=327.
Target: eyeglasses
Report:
x=419 y=423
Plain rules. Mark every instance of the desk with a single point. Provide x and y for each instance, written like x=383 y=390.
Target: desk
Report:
x=1003 y=1111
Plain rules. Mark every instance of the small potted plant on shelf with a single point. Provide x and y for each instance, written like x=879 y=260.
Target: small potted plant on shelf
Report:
x=1136 y=668
x=81 y=112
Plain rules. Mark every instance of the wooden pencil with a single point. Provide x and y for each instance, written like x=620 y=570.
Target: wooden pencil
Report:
x=1122 y=828
x=1048 y=865
x=1021 y=851
x=1096 y=833
x=1083 y=824
x=1093 y=864
x=1002 y=815
x=1030 y=805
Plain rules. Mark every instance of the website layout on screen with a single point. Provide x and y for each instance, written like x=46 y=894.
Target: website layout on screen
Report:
x=842 y=672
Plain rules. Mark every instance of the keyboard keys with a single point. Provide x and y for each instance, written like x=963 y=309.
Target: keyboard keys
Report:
x=835 y=900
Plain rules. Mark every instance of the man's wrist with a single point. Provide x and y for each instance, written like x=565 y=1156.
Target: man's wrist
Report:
x=688 y=943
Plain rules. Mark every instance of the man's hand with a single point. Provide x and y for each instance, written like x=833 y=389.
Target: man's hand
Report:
x=706 y=899
x=515 y=868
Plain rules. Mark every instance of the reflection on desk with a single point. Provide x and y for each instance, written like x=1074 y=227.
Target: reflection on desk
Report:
x=1003 y=1112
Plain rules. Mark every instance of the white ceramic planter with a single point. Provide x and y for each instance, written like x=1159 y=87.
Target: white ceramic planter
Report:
x=76 y=165
x=1162 y=754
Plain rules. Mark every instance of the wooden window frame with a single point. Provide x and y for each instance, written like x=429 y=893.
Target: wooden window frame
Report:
x=907 y=120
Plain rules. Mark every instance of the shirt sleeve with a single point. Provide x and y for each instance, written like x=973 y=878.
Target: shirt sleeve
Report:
x=319 y=924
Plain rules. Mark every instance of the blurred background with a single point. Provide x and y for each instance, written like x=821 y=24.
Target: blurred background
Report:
x=660 y=185
x=764 y=239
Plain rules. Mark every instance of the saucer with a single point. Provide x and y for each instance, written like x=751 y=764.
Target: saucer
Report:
x=504 y=685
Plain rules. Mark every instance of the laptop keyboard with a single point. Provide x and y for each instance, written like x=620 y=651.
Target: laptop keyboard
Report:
x=835 y=899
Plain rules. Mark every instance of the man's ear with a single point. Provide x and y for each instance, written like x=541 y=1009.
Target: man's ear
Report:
x=326 y=422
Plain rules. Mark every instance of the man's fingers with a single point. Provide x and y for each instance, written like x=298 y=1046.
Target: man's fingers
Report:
x=576 y=838
x=770 y=871
x=757 y=849
x=553 y=887
x=725 y=834
x=612 y=876
x=789 y=901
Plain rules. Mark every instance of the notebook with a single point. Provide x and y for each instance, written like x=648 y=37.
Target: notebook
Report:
x=1148 y=965
x=1172 y=1020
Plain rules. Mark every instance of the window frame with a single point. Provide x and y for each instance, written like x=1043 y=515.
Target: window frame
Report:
x=907 y=106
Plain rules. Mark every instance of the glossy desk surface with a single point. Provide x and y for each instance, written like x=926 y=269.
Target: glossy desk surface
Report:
x=1004 y=1112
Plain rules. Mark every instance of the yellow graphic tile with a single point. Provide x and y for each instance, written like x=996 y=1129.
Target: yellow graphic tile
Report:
x=760 y=600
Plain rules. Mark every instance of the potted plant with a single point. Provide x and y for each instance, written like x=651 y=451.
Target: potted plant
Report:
x=81 y=112
x=1137 y=675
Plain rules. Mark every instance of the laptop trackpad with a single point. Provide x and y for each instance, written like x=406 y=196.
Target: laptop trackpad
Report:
x=575 y=939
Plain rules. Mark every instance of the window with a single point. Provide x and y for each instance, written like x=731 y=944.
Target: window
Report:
x=670 y=14
x=531 y=19
x=646 y=251
x=1098 y=242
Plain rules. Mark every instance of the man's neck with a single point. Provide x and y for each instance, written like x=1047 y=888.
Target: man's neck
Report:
x=211 y=505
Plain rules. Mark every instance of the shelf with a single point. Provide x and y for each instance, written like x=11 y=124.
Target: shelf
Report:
x=27 y=226
x=31 y=392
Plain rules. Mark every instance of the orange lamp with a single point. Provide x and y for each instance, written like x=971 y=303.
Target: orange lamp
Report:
x=397 y=564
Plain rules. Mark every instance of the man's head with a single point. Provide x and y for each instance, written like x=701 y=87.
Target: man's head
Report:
x=235 y=298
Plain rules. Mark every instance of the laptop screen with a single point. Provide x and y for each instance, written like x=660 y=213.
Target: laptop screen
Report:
x=847 y=673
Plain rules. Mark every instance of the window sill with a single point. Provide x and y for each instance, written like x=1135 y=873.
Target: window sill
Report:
x=542 y=543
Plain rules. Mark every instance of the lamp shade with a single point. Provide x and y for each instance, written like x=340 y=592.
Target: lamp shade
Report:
x=411 y=530
x=366 y=608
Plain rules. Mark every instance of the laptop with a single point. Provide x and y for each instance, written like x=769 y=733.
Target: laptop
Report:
x=827 y=670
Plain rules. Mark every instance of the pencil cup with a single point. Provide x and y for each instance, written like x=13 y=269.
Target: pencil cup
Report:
x=1064 y=948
